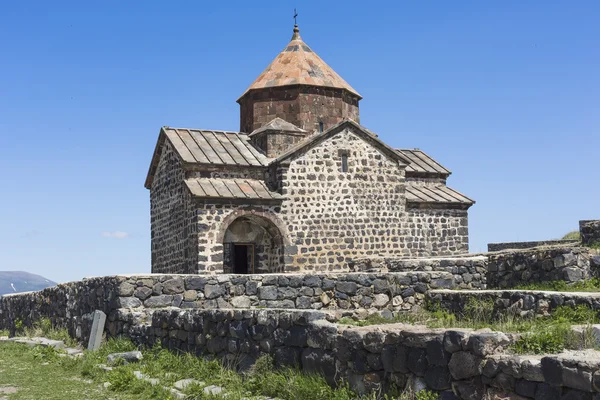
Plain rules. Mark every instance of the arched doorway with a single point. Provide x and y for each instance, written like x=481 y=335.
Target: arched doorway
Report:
x=252 y=244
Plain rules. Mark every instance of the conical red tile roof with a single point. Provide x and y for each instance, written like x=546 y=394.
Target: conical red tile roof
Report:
x=297 y=64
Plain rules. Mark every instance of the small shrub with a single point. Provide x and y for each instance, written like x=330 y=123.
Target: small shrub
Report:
x=426 y=395
x=594 y=245
x=45 y=353
x=18 y=326
x=573 y=235
x=420 y=395
x=580 y=314
x=479 y=310
x=589 y=285
x=121 y=379
x=552 y=339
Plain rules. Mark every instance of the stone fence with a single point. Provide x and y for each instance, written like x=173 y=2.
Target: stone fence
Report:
x=458 y=363
x=529 y=245
x=590 y=232
x=501 y=269
x=469 y=271
x=525 y=303
x=520 y=267
x=70 y=305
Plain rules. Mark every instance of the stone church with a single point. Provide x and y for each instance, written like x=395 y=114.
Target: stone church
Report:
x=302 y=187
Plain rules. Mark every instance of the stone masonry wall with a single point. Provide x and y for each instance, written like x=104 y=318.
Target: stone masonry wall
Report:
x=457 y=363
x=332 y=216
x=212 y=221
x=529 y=245
x=70 y=305
x=590 y=232
x=173 y=239
x=435 y=232
x=525 y=303
x=468 y=271
x=519 y=267
x=303 y=106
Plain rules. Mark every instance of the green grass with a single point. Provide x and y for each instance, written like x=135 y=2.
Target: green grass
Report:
x=540 y=335
x=43 y=328
x=573 y=235
x=594 y=245
x=590 y=285
x=39 y=373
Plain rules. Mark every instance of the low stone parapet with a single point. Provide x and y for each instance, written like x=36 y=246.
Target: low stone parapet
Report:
x=347 y=291
x=508 y=269
x=469 y=271
x=526 y=303
x=590 y=232
x=71 y=305
x=529 y=245
x=457 y=363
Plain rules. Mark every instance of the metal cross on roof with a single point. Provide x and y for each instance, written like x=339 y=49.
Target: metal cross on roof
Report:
x=295 y=15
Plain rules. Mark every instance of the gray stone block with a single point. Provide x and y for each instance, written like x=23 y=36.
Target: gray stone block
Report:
x=464 y=365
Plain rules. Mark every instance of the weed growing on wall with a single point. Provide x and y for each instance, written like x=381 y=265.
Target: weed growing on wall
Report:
x=589 y=285
x=573 y=235
x=539 y=335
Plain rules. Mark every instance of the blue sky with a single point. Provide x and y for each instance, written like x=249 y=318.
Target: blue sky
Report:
x=503 y=93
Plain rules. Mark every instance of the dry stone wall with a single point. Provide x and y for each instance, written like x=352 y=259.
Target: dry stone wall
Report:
x=511 y=268
x=457 y=363
x=469 y=272
x=71 y=305
x=524 y=303
x=590 y=232
x=529 y=245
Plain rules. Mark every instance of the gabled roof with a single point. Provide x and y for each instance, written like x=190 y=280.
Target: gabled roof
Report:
x=247 y=189
x=438 y=194
x=279 y=125
x=297 y=64
x=207 y=147
x=421 y=163
x=315 y=139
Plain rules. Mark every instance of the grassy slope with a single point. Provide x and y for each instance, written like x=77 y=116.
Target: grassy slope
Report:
x=36 y=379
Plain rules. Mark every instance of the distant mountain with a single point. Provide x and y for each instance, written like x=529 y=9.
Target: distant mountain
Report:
x=19 y=281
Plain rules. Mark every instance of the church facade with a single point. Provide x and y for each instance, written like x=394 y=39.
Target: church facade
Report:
x=302 y=187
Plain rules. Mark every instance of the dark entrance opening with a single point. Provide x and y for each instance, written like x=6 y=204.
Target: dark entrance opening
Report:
x=243 y=258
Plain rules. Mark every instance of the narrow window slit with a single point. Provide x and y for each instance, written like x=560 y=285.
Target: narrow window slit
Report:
x=344 y=162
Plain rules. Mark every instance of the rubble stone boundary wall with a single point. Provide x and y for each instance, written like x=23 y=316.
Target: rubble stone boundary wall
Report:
x=590 y=232
x=469 y=272
x=520 y=267
x=70 y=305
x=529 y=245
x=526 y=303
x=459 y=363
x=503 y=269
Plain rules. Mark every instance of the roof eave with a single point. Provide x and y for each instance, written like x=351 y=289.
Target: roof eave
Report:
x=438 y=205
x=155 y=158
x=249 y=90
